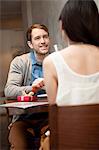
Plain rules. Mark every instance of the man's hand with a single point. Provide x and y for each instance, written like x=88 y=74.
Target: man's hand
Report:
x=37 y=84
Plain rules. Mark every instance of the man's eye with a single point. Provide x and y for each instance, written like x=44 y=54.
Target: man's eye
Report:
x=46 y=36
x=37 y=38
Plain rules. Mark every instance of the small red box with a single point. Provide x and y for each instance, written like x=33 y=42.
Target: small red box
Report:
x=26 y=98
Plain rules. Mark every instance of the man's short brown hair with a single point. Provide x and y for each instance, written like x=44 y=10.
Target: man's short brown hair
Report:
x=38 y=26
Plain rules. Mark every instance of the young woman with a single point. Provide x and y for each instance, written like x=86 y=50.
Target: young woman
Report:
x=72 y=74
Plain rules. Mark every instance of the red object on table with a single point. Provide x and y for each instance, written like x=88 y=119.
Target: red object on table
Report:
x=26 y=98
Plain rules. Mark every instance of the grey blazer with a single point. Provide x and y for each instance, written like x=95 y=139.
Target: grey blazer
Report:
x=19 y=76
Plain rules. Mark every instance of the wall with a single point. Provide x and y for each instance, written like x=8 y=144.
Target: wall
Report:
x=97 y=2
x=10 y=42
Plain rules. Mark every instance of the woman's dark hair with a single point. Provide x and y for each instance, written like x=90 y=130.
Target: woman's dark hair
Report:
x=38 y=26
x=80 y=21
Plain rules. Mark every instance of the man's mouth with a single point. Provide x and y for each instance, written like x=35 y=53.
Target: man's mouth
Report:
x=43 y=47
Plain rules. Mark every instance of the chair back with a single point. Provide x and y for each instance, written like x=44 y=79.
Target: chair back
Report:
x=74 y=127
x=2 y=94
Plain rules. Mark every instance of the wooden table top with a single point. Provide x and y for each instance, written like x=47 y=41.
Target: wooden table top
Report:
x=34 y=109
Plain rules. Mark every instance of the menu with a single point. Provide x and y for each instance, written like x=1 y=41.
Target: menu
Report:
x=24 y=105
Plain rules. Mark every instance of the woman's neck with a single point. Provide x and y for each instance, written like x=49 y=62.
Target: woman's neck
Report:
x=74 y=43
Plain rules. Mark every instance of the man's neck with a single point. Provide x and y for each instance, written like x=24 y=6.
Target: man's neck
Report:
x=40 y=57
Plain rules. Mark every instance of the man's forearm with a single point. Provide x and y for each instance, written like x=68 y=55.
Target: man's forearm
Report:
x=13 y=91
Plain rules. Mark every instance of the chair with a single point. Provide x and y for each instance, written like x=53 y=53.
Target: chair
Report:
x=74 y=127
x=2 y=94
x=4 y=144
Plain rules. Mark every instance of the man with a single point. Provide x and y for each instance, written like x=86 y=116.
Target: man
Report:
x=24 y=75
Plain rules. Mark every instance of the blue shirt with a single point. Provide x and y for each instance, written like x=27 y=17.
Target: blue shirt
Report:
x=37 y=71
x=36 y=68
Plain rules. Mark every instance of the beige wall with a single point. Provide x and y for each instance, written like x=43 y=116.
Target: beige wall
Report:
x=10 y=42
x=97 y=2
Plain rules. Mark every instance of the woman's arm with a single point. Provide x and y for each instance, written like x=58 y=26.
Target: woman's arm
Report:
x=50 y=79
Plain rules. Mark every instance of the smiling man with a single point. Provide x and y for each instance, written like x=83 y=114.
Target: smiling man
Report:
x=24 y=75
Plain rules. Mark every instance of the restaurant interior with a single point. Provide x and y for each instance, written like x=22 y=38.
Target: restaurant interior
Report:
x=15 y=17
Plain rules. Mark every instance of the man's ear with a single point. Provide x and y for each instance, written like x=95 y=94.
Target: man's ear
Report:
x=30 y=44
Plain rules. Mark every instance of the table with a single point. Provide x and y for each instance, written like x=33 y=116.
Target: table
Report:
x=34 y=109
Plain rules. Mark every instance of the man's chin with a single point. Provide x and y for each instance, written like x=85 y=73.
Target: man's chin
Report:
x=44 y=52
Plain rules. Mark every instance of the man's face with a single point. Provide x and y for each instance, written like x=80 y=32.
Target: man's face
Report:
x=40 y=41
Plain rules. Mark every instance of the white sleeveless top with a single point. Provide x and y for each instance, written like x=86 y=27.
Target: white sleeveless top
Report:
x=73 y=88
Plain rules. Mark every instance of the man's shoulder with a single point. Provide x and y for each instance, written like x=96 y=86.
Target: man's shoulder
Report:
x=24 y=58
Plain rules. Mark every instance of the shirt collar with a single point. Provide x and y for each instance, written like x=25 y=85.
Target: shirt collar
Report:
x=33 y=58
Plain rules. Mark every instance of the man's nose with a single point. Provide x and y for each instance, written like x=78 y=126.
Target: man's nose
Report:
x=42 y=40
